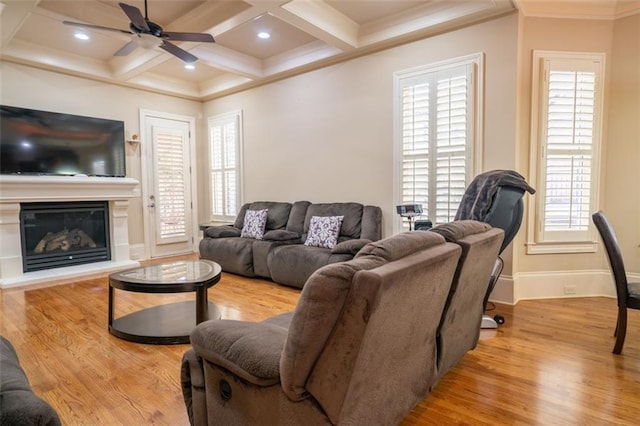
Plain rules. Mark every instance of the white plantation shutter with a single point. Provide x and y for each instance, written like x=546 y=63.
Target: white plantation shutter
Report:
x=453 y=121
x=224 y=139
x=171 y=209
x=415 y=144
x=436 y=134
x=569 y=134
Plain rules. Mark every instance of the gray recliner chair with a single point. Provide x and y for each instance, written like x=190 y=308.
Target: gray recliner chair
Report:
x=359 y=348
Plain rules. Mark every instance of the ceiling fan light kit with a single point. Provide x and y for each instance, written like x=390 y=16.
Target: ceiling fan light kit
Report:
x=146 y=41
x=148 y=34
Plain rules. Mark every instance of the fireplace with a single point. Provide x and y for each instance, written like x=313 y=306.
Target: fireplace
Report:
x=113 y=194
x=56 y=235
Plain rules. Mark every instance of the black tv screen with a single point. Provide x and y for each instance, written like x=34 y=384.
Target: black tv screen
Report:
x=48 y=143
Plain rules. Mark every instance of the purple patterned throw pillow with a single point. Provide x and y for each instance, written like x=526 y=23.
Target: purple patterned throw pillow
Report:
x=254 y=223
x=323 y=231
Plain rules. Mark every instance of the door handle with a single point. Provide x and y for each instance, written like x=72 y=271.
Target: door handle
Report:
x=151 y=205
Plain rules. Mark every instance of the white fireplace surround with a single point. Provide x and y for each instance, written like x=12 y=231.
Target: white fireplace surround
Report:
x=33 y=189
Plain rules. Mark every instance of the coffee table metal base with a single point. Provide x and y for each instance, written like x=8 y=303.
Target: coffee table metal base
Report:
x=168 y=324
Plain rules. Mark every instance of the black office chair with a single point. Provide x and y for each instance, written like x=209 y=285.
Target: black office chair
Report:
x=495 y=197
x=628 y=293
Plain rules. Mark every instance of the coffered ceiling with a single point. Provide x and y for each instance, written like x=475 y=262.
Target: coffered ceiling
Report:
x=305 y=34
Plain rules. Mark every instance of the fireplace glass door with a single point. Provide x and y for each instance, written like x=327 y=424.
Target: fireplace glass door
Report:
x=62 y=234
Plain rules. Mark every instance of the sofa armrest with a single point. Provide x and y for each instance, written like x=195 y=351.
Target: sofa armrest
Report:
x=281 y=235
x=249 y=350
x=350 y=246
x=225 y=231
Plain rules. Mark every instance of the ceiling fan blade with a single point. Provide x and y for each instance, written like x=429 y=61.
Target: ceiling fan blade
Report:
x=96 y=27
x=180 y=53
x=126 y=49
x=201 y=37
x=135 y=16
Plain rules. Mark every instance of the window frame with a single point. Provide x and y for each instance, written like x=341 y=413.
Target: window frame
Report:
x=212 y=121
x=475 y=132
x=539 y=241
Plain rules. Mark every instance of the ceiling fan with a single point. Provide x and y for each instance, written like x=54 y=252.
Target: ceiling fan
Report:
x=148 y=34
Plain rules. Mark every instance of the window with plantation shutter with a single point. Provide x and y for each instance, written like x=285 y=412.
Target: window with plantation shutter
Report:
x=171 y=209
x=567 y=129
x=435 y=132
x=224 y=141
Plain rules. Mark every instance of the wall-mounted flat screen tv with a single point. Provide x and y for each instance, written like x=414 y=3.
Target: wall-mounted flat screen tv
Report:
x=36 y=142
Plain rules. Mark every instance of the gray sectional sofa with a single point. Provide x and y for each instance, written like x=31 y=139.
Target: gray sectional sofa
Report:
x=281 y=254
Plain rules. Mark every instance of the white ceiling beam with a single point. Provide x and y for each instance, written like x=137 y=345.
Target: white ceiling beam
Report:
x=321 y=21
x=221 y=83
x=200 y=18
x=137 y=62
x=584 y=9
x=229 y=60
x=422 y=18
x=13 y=16
x=299 y=57
x=166 y=84
x=52 y=59
x=258 y=8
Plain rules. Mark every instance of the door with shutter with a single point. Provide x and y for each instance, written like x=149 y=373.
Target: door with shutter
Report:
x=169 y=200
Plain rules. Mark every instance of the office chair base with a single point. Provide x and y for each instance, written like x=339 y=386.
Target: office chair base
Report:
x=488 y=322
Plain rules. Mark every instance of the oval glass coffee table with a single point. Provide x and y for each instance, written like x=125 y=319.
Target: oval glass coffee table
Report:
x=170 y=323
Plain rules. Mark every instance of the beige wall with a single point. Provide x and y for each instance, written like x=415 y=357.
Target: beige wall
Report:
x=37 y=89
x=619 y=41
x=622 y=151
x=327 y=135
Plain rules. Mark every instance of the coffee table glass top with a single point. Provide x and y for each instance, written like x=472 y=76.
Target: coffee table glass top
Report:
x=189 y=271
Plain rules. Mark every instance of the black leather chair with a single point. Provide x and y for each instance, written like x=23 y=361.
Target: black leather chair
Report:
x=495 y=197
x=628 y=294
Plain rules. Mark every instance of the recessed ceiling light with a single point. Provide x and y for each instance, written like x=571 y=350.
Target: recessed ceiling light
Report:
x=190 y=66
x=264 y=35
x=81 y=36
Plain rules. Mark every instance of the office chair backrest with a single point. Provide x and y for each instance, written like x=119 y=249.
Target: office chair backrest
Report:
x=613 y=254
x=507 y=208
x=495 y=197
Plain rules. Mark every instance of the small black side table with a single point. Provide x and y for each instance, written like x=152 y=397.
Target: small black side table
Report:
x=170 y=323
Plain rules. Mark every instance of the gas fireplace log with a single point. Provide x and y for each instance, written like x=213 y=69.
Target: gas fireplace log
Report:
x=64 y=240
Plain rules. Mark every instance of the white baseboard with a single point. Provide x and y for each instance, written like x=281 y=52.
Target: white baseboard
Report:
x=559 y=284
x=555 y=284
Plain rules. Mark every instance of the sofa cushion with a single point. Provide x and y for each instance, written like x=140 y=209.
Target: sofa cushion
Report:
x=254 y=224
x=293 y=264
x=281 y=235
x=249 y=350
x=277 y=216
x=222 y=232
x=351 y=223
x=234 y=255
x=324 y=231
x=351 y=247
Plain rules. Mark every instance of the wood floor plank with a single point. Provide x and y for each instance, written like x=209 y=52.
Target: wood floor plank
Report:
x=549 y=364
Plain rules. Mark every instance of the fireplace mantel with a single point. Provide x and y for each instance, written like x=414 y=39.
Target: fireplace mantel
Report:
x=22 y=189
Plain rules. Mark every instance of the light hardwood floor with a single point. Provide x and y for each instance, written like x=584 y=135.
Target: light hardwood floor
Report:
x=550 y=364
